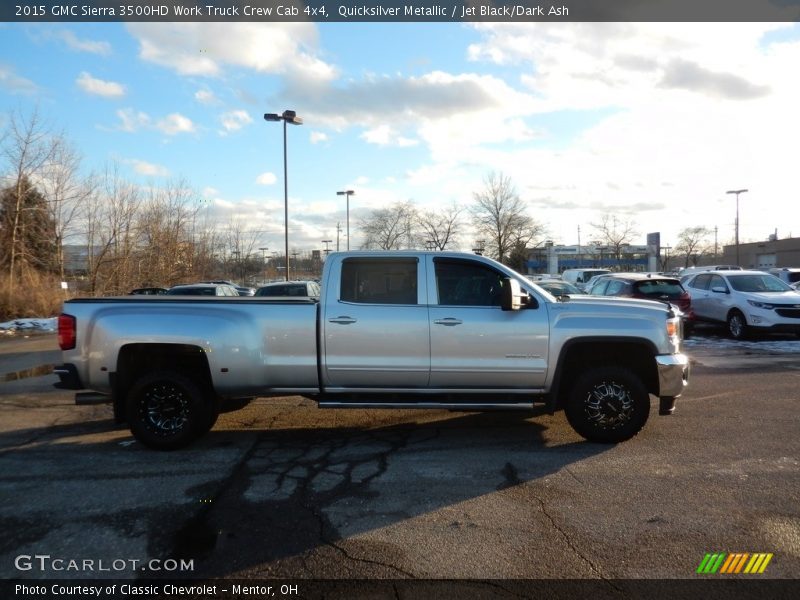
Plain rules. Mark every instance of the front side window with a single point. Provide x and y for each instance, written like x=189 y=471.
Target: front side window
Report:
x=467 y=283
x=701 y=282
x=379 y=280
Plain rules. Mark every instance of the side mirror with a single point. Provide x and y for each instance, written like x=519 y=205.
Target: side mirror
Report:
x=718 y=289
x=513 y=297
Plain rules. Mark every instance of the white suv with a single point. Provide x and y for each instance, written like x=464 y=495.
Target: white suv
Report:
x=745 y=300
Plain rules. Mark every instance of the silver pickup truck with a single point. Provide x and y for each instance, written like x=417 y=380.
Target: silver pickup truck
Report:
x=390 y=330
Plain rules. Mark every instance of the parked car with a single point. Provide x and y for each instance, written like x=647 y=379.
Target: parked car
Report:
x=148 y=291
x=647 y=286
x=747 y=301
x=290 y=288
x=240 y=289
x=203 y=289
x=788 y=275
x=580 y=277
x=558 y=287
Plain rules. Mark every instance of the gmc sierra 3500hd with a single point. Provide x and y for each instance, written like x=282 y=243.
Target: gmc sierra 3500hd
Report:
x=390 y=330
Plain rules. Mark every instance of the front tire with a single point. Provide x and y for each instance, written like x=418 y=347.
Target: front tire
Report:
x=608 y=405
x=167 y=411
x=737 y=325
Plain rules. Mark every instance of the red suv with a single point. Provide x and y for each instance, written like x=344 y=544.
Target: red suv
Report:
x=647 y=286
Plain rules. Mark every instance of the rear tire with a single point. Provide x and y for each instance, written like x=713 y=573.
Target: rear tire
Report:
x=608 y=405
x=166 y=410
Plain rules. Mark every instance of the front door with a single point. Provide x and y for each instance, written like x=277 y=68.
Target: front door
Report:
x=474 y=343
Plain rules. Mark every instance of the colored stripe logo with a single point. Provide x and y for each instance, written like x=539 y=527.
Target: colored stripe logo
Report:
x=734 y=563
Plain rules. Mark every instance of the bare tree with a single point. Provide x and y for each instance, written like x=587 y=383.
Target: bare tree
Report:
x=615 y=233
x=111 y=233
x=28 y=146
x=440 y=228
x=499 y=216
x=692 y=243
x=65 y=190
x=388 y=228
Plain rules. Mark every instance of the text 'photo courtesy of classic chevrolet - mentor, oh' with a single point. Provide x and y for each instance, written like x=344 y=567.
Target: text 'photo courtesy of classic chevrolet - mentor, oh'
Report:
x=390 y=330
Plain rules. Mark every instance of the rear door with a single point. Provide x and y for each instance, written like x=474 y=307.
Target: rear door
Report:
x=375 y=327
x=474 y=343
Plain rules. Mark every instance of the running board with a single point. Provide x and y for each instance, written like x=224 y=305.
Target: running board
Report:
x=85 y=398
x=457 y=406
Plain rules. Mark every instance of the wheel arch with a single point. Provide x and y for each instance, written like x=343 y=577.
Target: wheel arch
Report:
x=635 y=354
x=137 y=359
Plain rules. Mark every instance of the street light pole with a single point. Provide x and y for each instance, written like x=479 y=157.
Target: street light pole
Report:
x=737 y=192
x=327 y=250
x=288 y=116
x=347 y=193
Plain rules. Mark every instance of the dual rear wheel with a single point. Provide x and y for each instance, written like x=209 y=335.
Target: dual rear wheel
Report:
x=167 y=410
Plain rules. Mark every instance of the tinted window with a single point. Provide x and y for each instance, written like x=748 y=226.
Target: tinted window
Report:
x=717 y=281
x=467 y=283
x=599 y=287
x=379 y=280
x=615 y=288
x=701 y=282
x=659 y=288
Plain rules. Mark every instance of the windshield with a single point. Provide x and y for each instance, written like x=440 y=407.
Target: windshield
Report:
x=757 y=283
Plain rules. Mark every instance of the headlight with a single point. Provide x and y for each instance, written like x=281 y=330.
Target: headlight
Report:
x=763 y=305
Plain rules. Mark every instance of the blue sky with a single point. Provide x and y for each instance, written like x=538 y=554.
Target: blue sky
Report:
x=651 y=122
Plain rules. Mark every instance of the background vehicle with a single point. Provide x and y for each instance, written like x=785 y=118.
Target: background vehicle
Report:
x=746 y=301
x=580 y=277
x=290 y=288
x=392 y=329
x=202 y=289
x=240 y=289
x=788 y=275
x=647 y=286
x=148 y=291
x=558 y=287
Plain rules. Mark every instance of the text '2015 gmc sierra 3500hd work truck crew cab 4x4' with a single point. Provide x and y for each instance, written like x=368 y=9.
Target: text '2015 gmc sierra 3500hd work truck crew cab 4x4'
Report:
x=390 y=330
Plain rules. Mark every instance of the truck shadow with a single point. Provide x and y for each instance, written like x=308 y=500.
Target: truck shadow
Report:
x=265 y=501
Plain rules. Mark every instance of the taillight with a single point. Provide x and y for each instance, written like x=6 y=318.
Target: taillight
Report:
x=66 y=332
x=672 y=327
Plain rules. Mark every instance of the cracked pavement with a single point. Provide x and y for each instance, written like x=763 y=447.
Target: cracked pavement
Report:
x=282 y=489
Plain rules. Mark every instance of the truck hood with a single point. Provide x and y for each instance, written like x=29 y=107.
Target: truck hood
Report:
x=613 y=303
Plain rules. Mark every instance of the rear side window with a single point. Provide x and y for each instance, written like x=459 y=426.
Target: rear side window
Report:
x=379 y=280
x=660 y=288
x=615 y=288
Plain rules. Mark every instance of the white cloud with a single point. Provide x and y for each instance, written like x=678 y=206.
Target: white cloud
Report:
x=83 y=45
x=131 y=120
x=98 y=87
x=385 y=135
x=235 y=120
x=15 y=84
x=174 y=124
x=266 y=179
x=146 y=168
x=206 y=97
x=317 y=137
x=207 y=49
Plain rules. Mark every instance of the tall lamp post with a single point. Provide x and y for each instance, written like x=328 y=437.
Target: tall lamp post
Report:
x=288 y=116
x=737 y=192
x=347 y=193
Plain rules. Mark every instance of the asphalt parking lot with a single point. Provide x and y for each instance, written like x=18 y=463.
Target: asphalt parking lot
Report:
x=281 y=489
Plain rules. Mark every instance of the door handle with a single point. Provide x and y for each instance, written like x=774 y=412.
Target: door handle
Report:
x=342 y=320
x=448 y=322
